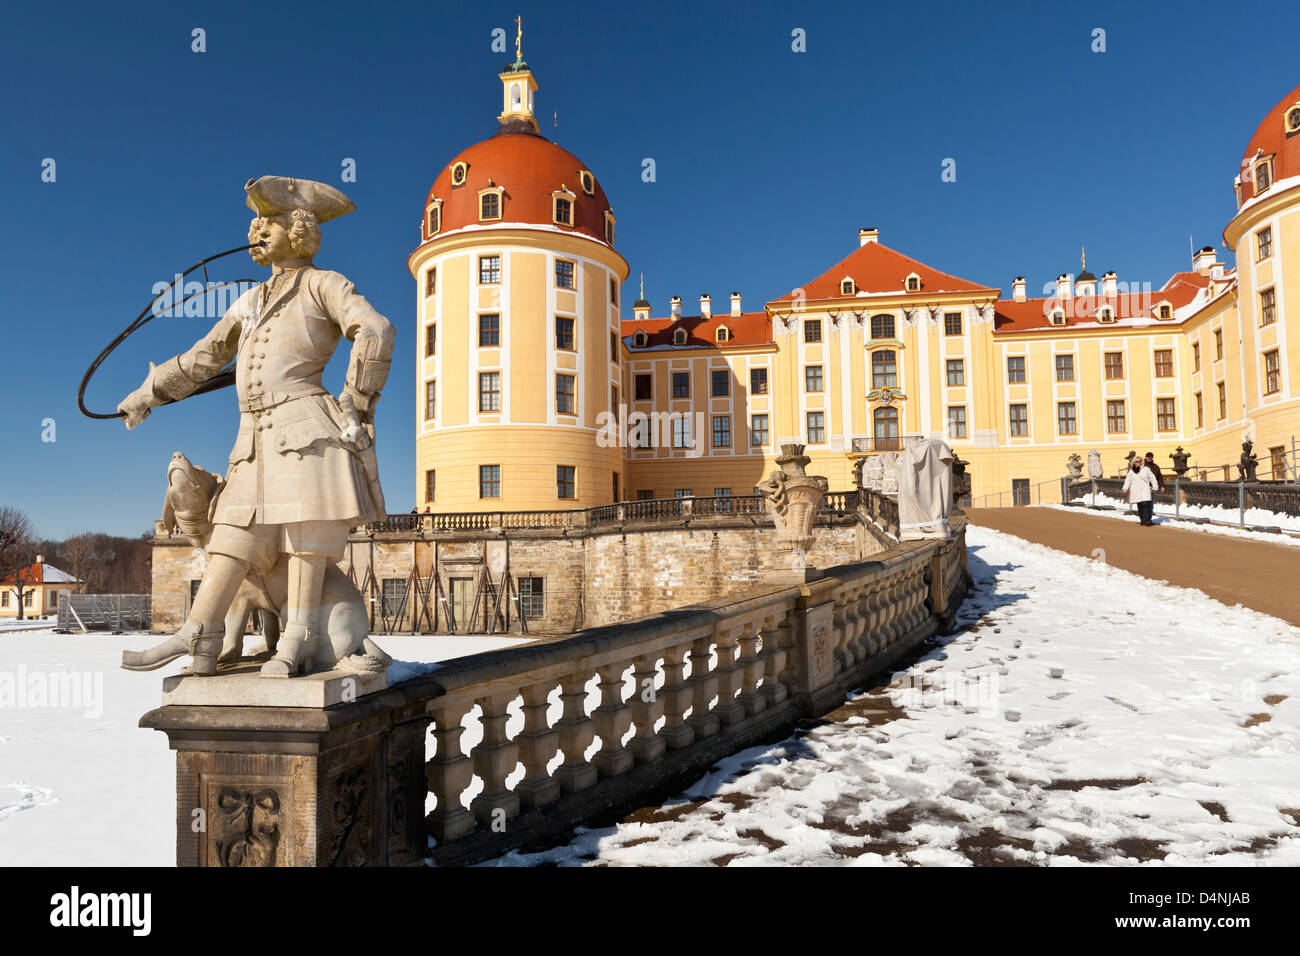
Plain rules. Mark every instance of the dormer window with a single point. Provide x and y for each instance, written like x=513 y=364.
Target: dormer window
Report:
x=723 y=334
x=1106 y=314
x=640 y=340
x=848 y=287
x=562 y=207
x=1058 y=317
x=433 y=218
x=489 y=203
x=587 y=182
x=1263 y=175
x=458 y=173
x=1164 y=311
x=679 y=337
x=912 y=283
x=609 y=228
x=1293 y=120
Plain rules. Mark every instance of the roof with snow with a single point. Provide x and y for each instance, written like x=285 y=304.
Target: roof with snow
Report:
x=43 y=573
x=1186 y=293
x=743 y=331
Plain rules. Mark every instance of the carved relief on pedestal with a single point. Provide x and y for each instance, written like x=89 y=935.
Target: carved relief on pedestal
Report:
x=794 y=498
x=244 y=826
x=352 y=819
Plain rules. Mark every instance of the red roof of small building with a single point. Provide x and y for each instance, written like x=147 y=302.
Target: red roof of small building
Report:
x=1180 y=290
x=42 y=573
x=747 y=329
x=875 y=268
x=529 y=168
x=1271 y=138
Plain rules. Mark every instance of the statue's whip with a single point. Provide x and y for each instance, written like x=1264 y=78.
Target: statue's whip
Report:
x=222 y=379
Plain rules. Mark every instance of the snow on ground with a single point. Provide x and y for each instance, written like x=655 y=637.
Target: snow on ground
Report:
x=1080 y=713
x=1164 y=514
x=83 y=785
x=27 y=624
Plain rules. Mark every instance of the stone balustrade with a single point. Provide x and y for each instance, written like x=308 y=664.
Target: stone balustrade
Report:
x=604 y=717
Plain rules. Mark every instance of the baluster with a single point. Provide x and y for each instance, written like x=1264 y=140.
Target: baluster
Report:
x=751 y=698
x=728 y=674
x=449 y=772
x=612 y=720
x=538 y=743
x=839 y=633
x=495 y=758
x=705 y=684
x=774 y=659
x=677 y=697
x=576 y=732
x=862 y=611
x=647 y=708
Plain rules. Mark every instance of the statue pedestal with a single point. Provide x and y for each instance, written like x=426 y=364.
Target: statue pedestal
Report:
x=270 y=774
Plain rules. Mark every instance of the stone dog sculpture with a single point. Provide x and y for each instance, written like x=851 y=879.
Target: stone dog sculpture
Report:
x=192 y=494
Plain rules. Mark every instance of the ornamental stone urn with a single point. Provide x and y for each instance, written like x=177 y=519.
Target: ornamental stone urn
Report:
x=1075 y=467
x=794 y=499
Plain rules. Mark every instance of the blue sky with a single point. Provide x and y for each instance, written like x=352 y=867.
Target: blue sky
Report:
x=768 y=161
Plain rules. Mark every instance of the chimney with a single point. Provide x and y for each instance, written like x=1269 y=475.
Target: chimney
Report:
x=40 y=559
x=1109 y=285
x=871 y=234
x=675 y=307
x=1063 y=286
x=1018 y=288
x=735 y=304
x=706 y=307
x=1085 y=286
x=1203 y=261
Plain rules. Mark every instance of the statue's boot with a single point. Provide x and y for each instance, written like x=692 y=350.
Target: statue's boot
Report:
x=291 y=653
x=200 y=642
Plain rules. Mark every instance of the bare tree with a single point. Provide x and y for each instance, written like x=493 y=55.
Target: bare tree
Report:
x=17 y=551
x=76 y=555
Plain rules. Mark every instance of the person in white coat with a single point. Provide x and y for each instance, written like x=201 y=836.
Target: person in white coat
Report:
x=1139 y=487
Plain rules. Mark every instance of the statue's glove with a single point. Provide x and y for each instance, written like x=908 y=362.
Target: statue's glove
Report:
x=135 y=408
x=362 y=402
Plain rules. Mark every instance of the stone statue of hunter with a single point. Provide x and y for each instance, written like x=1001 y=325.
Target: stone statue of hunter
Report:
x=303 y=469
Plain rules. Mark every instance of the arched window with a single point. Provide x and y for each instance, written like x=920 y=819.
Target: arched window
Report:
x=640 y=339
x=885 y=422
x=884 y=369
x=847 y=287
x=882 y=327
x=723 y=334
x=679 y=337
x=912 y=283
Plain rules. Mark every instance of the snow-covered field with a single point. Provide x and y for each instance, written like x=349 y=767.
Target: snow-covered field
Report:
x=1081 y=713
x=84 y=785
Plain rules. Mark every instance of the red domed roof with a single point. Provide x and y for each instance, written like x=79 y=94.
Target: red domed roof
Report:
x=1273 y=139
x=528 y=167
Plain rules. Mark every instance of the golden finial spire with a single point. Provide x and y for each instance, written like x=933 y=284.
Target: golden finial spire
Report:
x=1083 y=257
x=519 y=38
x=643 y=285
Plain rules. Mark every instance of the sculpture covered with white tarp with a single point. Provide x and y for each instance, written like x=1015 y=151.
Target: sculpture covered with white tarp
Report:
x=888 y=480
x=924 y=475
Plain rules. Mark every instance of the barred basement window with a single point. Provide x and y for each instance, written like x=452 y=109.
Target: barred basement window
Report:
x=565 y=394
x=1166 y=419
x=532 y=597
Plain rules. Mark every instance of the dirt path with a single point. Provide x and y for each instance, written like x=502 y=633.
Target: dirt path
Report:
x=1257 y=574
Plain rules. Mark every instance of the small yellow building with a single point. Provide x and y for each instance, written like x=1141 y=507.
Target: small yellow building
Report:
x=534 y=393
x=43 y=587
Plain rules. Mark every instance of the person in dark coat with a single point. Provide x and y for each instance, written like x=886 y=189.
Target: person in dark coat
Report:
x=1150 y=462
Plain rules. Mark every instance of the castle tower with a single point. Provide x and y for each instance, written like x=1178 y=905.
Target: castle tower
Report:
x=517 y=285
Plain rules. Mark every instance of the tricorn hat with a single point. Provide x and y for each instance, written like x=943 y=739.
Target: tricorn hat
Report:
x=272 y=195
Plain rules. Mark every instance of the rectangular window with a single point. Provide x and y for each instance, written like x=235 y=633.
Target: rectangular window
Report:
x=682 y=493
x=489 y=391
x=431 y=485
x=1019 y=420
x=884 y=369
x=758 y=430
x=952 y=323
x=816 y=428
x=1200 y=410
x=1065 y=368
x=681 y=431
x=720 y=382
x=1164 y=363
x=646 y=494
x=1223 y=400
x=1116 y=420
x=644 y=385
x=812 y=378
x=1066 y=423
x=394 y=596
x=812 y=330
x=1264 y=243
x=565 y=394
x=1166 y=418
x=431 y=282
x=613 y=346
x=54 y=599
x=563 y=333
x=1114 y=365
x=758 y=381
x=882 y=327
x=490 y=206
x=613 y=291
x=1016 y=369
x=1272 y=372
x=564 y=274
x=489 y=481
x=564 y=481
x=1020 y=494
x=1267 y=307
x=1196 y=356
x=956 y=372
x=532 y=597
x=27 y=599
x=4 y=598
x=1277 y=459
x=564 y=212
x=489 y=270
x=489 y=330
x=681 y=384
x=431 y=339
x=721 y=431
x=430 y=400
x=956 y=421
x=1218 y=345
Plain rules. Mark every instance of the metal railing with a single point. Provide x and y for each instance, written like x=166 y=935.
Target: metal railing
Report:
x=1242 y=496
